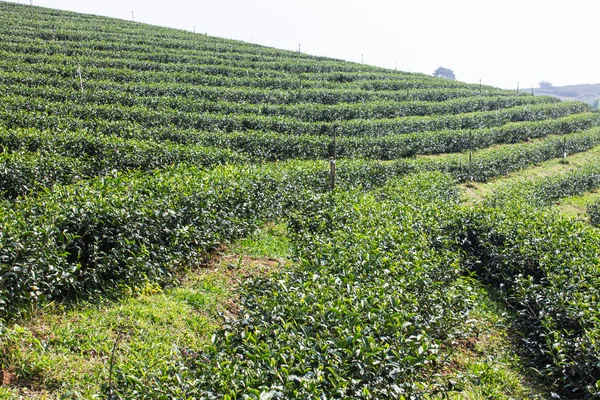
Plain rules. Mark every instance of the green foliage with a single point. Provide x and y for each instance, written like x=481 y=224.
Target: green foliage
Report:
x=593 y=211
x=368 y=312
x=547 y=268
x=113 y=188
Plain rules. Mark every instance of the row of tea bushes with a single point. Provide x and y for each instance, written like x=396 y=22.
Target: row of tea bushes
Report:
x=371 y=310
x=24 y=173
x=547 y=268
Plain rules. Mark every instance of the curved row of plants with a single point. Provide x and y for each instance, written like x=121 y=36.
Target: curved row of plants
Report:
x=242 y=94
x=289 y=81
x=545 y=191
x=276 y=146
x=130 y=57
x=42 y=159
x=17 y=111
x=546 y=266
x=304 y=112
x=143 y=36
x=32 y=160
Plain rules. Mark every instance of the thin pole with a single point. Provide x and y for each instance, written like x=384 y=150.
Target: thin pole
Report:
x=471 y=165
x=298 y=48
x=80 y=78
x=471 y=156
x=396 y=68
x=362 y=59
x=132 y=17
x=517 y=87
x=332 y=160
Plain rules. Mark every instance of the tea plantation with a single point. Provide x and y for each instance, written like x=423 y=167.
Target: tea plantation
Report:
x=169 y=229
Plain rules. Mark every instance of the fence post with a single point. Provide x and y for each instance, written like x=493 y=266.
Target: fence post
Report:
x=332 y=160
x=80 y=78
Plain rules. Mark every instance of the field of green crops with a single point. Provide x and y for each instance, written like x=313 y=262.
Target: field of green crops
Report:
x=135 y=160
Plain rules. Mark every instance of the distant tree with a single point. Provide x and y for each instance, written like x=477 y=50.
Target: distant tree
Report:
x=545 y=85
x=442 y=72
x=596 y=103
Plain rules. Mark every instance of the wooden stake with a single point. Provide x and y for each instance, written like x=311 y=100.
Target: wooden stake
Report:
x=332 y=173
x=471 y=165
x=80 y=78
x=332 y=161
x=471 y=156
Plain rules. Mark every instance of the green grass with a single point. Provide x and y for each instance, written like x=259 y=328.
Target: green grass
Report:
x=66 y=350
x=576 y=206
x=488 y=365
x=269 y=242
x=473 y=191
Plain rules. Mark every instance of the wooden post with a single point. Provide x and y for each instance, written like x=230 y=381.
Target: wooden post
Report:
x=471 y=165
x=471 y=156
x=80 y=78
x=332 y=161
x=332 y=173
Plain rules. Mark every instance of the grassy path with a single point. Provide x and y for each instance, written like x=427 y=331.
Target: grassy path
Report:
x=474 y=191
x=68 y=350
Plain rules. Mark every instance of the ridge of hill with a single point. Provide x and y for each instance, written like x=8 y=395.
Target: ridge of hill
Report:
x=589 y=93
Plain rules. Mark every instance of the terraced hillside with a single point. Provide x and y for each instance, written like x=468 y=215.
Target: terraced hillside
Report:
x=146 y=172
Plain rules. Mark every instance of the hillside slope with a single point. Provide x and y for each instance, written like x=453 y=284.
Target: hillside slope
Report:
x=132 y=154
x=587 y=93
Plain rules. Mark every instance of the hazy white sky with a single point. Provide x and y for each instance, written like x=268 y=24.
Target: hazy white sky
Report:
x=501 y=42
